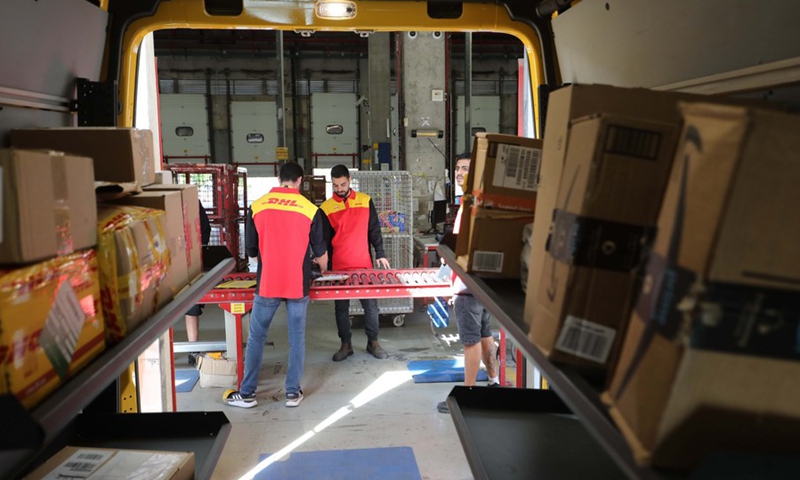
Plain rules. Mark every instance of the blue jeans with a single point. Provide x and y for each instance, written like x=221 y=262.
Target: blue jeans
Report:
x=260 y=319
x=342 y=309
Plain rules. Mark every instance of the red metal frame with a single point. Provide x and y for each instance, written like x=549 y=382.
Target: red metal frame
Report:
x=405 y=283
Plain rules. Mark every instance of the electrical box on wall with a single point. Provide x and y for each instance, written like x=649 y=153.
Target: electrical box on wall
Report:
x=437 y=95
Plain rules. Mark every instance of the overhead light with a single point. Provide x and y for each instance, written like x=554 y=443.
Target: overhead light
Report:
x=335 y=9
x=427 y=133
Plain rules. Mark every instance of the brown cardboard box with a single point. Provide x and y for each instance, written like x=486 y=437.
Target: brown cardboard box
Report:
x=217 y=372
x=51 y=324
x=565 y=105
x=191 y=226
x=121 y=155
x=170 y=201
x=48 y=205
x=710 y=360
x=613 y=179
x=480 y=249
x=102 y=463
x=503 y=171
x=133 y=255
x=163 y=177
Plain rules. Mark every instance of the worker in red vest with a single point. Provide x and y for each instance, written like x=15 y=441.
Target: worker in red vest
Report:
x=354 y=227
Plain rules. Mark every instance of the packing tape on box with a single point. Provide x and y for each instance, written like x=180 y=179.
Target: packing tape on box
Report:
x=142 y=143
x=63 y=226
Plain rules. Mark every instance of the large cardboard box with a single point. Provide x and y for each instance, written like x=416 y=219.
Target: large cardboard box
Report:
x=133 y=253
x=710 y=360
x=480 y=249
x=51 y=324
x=614 y=175
x=503 y=171
x=191 y=225
x=47 y=206
x=565 y=105
x=170 y=202
x=217 y=372
x=121 y=155
x=103 y=463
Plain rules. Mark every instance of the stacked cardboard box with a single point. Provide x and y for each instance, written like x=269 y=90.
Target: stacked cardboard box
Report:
x=170 y=202
x=614 y=174
x=104 y=463
x=710 y=361
x=48 y=205
x=51 y=324
x=501 y=187
x=122 y=156
x=191 y=225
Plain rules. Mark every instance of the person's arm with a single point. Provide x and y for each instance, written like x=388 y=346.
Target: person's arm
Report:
x=317 y=240
x=250 y=235
x=205 y=226
x=375 y=237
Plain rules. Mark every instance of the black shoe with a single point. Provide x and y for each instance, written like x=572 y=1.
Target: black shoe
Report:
x=376 y=350
x=344 y=351
x=442 y=407
x=193 y=358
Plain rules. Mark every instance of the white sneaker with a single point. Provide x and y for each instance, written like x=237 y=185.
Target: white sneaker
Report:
x=294 y=399
x=237 y=399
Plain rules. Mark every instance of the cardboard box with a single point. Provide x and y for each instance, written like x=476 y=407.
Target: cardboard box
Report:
x=171 y=203
x=479 y=248
x=103 y=463
x=164 y=177
x=48 y=205
x=191 y=225
x=121 y=155
x=710 y=360
x=217 y=372
x=565 y=105
x=51 y=324
x=503 y=171
x=133 y=256
x=614 y=175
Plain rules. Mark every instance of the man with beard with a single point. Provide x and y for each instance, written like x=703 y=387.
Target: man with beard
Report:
x=354 y=227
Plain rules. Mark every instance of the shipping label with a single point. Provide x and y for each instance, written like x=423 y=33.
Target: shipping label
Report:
x=517 y=167
x=491 y=262
x=585 y=339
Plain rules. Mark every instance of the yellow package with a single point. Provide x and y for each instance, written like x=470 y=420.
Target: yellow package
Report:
x=133 y=259
x=51 y=324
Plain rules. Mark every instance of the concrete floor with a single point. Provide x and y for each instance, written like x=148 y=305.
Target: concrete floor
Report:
x=361 y=402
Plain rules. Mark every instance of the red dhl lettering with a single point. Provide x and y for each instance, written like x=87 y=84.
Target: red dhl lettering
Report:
x=18 y=349
x=283 y=201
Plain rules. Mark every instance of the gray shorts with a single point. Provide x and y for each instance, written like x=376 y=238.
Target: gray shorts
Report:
x=472 y=319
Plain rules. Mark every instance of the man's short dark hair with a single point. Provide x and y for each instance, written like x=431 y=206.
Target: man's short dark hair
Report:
x=463 y=156
x=290 y=172
x=340 y=171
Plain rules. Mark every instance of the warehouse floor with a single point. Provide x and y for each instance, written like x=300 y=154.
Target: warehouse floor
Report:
x=360 y=403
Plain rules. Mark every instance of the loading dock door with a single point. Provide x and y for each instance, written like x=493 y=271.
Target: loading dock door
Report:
x=334 y=109
x=254 y=130
x=485 y=115
x=184 y=126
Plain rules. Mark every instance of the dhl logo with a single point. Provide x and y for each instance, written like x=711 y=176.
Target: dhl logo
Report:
x=283 y=201
x=27 y=344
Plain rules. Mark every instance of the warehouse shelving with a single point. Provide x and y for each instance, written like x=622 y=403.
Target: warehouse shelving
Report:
x=33 y=436
x=505 y=301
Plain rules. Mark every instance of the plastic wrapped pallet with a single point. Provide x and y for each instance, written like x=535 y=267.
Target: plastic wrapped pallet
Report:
x=133 y=257
x=51 y=324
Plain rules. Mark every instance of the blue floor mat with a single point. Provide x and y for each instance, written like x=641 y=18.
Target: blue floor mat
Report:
x=395 y=463
x=437 y=371
x=185 y=379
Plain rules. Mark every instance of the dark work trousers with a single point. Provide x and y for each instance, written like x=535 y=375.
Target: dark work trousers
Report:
x=370 y=319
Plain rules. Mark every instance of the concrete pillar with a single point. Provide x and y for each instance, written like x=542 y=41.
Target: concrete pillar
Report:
x=378 y=93
x=423 y=76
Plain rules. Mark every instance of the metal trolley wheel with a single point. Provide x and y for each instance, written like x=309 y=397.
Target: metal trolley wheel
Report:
x=398 y=320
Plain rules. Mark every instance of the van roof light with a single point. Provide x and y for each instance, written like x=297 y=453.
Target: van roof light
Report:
x=335 y=9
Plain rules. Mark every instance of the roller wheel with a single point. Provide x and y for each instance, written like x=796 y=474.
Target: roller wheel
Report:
x=399 y=320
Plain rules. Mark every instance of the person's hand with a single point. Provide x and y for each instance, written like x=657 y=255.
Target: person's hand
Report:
x=382 y=263
x=322 y=261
